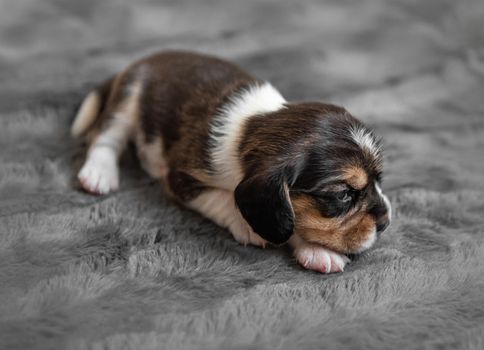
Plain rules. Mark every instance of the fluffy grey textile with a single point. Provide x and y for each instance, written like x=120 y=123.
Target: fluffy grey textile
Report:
x=134 y=271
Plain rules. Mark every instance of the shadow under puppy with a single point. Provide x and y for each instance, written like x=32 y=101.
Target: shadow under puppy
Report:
x=229 y=146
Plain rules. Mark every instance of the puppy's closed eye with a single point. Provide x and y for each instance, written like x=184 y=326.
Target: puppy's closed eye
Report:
x=345 y=196
x=346 y=193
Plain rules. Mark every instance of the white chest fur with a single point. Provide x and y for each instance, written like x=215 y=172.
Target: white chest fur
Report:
x=227 y=129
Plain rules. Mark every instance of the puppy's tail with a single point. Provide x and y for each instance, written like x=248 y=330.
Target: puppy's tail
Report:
x=91 y=108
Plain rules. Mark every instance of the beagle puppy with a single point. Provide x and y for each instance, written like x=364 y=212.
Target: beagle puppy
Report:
x=230 y=147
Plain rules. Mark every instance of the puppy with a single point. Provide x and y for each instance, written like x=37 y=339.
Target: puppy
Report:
x=230 y=147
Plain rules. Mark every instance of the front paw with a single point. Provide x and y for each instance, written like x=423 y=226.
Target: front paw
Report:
x=317 y=258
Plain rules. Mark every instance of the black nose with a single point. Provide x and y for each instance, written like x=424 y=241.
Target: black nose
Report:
x=379 y=211
x=382 y=223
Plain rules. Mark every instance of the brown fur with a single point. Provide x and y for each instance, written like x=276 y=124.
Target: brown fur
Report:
x=289 y=130
x=343 y=235
x=356 y=177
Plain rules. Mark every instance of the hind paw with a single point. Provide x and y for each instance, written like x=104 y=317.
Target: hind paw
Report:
x=99 y=175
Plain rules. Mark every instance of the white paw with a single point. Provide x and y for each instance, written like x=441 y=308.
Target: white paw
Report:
x=242 y=232
x=100 y=174
x=317 y=258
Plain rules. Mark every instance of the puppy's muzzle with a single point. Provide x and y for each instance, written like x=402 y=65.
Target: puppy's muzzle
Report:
x=382 y=224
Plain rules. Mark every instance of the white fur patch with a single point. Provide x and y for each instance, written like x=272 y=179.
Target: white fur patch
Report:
x=219 y=206
x=365 y=140
x=87 y=114
x=368 y=243
x=385 y=200
x=227 y=128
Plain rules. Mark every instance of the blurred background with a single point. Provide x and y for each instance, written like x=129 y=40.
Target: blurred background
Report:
x=134 y=271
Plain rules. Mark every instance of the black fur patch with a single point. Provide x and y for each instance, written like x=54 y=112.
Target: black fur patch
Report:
x=266 y=206
x=184 y=186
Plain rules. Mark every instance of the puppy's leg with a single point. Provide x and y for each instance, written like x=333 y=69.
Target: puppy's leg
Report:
x=100 y=173
x=219 y=206
x=317 y=258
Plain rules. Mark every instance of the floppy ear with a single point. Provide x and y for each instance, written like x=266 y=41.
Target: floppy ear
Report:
x=264 y=202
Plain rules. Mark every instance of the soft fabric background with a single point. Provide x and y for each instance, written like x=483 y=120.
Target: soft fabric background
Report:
x=134 y=271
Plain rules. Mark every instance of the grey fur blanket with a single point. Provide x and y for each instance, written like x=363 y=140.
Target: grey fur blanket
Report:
x=134 y=271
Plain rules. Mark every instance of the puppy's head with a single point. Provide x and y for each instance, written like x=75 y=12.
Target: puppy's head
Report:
x=314 y=170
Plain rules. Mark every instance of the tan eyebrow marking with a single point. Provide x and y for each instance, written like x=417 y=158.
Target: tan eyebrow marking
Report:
x=356 y=177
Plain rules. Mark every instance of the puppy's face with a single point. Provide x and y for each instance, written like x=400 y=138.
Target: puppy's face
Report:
x=345 y=215
x=325 y=186
x=337 y=198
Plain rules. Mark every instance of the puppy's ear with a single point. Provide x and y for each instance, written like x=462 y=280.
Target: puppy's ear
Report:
x=264 y=202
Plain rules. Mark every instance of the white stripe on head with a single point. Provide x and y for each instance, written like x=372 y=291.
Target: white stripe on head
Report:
x=226 y=129
x=365 y=139
x=385 y=200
